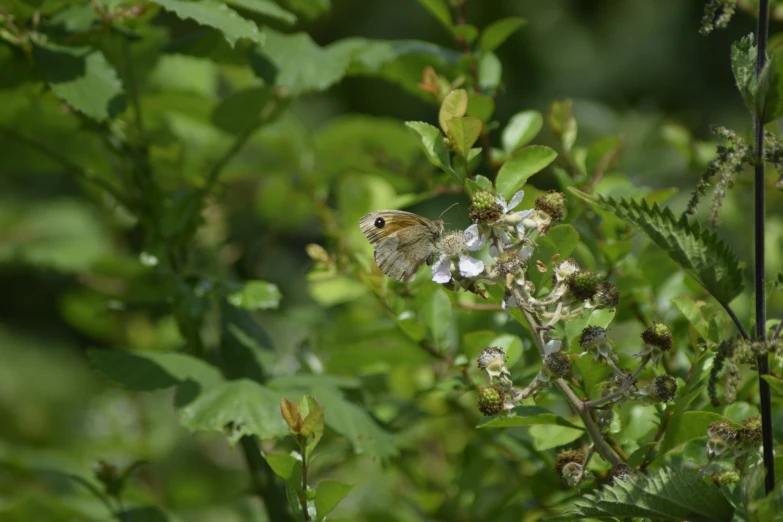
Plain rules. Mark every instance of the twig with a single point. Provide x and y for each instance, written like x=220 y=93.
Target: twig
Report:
x=629 y=381
x=736 y=320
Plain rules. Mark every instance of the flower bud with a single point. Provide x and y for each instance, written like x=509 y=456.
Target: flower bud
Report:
x=664 y=388
x=557 y=364
x=484 y=208
x=108 y=475
x=491 y=399
x=606 y=296
x=622 y=471
x=722 y=436
x=591 y=337
x=583 y=284
x=317 y=253
x=493 y=361
x=553 y=204
x=751 y=431
x=658 y=335
x=725 y=478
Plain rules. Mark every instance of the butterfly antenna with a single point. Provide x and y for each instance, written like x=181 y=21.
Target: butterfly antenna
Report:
x=452 y=206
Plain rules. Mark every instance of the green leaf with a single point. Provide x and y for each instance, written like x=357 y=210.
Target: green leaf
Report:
x=664 y=494
x=300 y=65
x=521 y=129
x=498 y=32
x=690 y=309
x=440 y=10
x=603 y=155
x=243 y=109
x=775 y=383
x=769 y=92
x=565 y=237
x=148 y=371
x=454 y=105
x=464 y=132
x=329 y=289
x=245 y=348
x=743 y=64
x=216 y=15
x=562 y=122
x=432 y=142
x=256 y=295
x=548 y=436
x=516 y=171
x=328 y=494
x=490 y=71
x=435 y=310
x=527 y=416
x=284 y=466
x=266 y=8
x=310 y=9
x=82 y=78
x=699 y=251
x=481 y=106
x=687 y=426
x=354 y=423
x=249 y=408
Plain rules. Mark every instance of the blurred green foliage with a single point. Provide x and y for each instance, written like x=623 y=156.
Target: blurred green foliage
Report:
x=179 y=250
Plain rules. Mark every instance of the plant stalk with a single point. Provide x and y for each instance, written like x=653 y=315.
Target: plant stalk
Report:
x=759 y=258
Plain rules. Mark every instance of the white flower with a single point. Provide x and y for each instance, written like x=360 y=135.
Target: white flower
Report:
x=552 y=346
x=516 y=199
x=476 y=237
x=467 y=267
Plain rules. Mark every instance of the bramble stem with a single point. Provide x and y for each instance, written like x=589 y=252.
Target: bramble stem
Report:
x=762 y=34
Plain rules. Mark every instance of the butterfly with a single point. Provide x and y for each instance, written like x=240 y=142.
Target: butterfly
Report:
x=403 y=241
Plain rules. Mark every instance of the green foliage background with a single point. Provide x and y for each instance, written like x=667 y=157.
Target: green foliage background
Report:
x=288 y=143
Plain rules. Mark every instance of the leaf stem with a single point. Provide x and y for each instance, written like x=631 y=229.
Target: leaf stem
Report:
x=762 y=35
x=303 y=495
x=736 y=320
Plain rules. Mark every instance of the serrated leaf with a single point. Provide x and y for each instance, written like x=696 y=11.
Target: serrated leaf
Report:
x=216 y=15
x=82 y=78
x=432 y=143
x=692 y=313
x=328 y=495
x=464 y=132
x=743 y=64
x=498 y=32
x=454 y=105
x=266 y=8
x=256 y=295
x=665 y=494
x=700 y=252
x=687 y=426
x=521 y=129
x=769 y=91
x=527 y=416
x=516 y=171
x=245 y=405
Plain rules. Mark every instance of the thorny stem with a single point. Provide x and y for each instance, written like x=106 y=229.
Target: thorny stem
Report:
x=629 y=380
x=591 y=427
x=759 y=258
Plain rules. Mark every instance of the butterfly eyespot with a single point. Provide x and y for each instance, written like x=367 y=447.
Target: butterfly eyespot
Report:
x=380 y=222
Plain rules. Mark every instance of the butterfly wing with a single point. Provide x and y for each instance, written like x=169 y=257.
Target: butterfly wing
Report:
x=403 y=241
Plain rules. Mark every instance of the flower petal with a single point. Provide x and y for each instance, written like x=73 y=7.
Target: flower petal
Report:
x=441 y=270
x=516 y=200
x=474 y=239
x=469 y=266
x=525 y=252
x=500 y=200
x=552 y=346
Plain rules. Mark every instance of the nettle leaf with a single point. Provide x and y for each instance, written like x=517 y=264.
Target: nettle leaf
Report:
x=454 y=105
x=464 y=132
x=516 y=171
x=743 y=64
x=527 y=416
x=498 y=32
x=432 y=143
x=699 y=251
x=266 y=8
x=82 y=78
x=216 y=15
x=243 y=406
x=521 y=129
x=687 y=426
x=665 y=494
x=769 y=91
x=256 y=295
